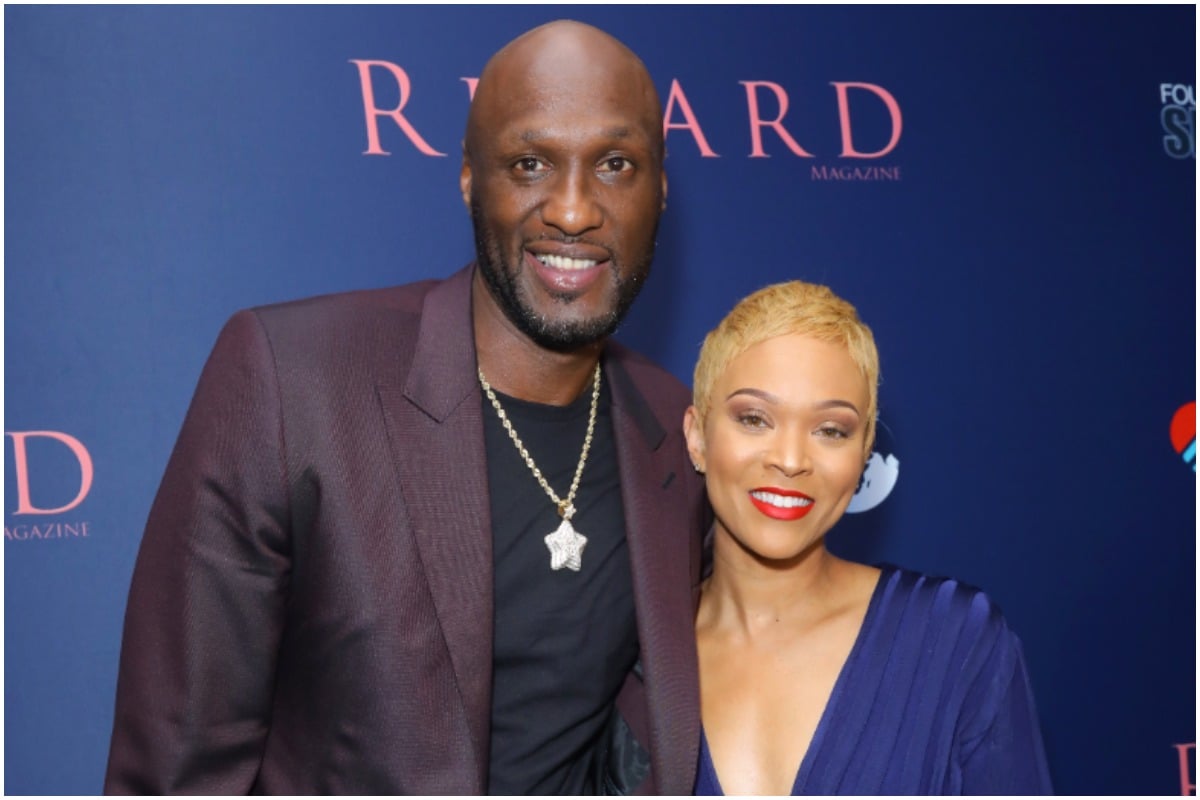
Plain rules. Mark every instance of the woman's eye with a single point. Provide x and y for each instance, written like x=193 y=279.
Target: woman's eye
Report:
x=832 y=432
x=752 y=420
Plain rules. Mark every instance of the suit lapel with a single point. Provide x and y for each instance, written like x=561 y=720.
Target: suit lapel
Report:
x=658 y=518
x=435 y=426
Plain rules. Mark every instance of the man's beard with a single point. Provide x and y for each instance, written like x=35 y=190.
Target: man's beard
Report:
x=558 y=335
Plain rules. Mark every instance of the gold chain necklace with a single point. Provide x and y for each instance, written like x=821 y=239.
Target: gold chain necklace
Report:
x=566 y=544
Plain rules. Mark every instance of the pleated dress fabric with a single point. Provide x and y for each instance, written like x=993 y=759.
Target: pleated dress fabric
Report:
x=934 y=698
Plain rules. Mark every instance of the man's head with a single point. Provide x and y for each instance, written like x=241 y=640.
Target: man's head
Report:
x=563 y=174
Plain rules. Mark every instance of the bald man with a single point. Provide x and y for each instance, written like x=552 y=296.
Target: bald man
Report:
x=441 y=538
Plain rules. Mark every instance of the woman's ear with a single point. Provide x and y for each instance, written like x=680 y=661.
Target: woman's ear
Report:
x=693 y=431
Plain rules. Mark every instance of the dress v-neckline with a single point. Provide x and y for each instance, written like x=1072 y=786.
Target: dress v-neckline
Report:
x=814 y=746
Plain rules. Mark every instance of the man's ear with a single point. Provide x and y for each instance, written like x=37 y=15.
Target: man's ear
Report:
x=464 y=178
x=693 y=431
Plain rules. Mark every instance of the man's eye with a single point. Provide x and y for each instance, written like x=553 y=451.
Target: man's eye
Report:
x=529 y=164
x=616 y=164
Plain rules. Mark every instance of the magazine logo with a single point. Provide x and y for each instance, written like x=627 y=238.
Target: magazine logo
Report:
x=879 y=477
x=765 y=105
x=49 y=449
x=1178 y=118
x=1183 y=433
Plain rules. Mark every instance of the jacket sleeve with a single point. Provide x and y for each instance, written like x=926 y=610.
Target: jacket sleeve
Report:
x=206 y=605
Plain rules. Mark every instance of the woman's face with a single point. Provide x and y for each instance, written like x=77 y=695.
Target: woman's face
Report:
x=783 y=444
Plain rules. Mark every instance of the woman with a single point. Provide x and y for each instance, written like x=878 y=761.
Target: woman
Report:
x=819 y=675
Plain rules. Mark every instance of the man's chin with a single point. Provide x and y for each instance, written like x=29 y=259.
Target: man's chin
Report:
x=559 y=321
x=565 y=336
x=570 y=320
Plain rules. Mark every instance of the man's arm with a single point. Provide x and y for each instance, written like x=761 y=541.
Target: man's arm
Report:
x=207 y=601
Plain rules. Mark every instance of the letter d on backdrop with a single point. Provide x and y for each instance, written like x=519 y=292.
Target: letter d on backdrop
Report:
x=21 y=461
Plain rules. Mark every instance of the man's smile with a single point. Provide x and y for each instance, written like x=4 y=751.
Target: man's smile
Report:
x=563 y=274
x=566 y=262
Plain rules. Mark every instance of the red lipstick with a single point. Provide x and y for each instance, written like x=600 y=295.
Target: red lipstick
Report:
x=781 y=504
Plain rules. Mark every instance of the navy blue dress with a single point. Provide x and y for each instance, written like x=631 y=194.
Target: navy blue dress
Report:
x=933 y=699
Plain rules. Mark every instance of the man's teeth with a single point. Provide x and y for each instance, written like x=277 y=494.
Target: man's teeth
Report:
x=562 y=262
x=779 y=501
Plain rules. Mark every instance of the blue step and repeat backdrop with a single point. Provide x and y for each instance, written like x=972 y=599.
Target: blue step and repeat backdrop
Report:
x=1007 y=194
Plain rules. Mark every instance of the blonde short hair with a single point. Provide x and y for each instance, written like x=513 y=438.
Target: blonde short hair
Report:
x=794 y=307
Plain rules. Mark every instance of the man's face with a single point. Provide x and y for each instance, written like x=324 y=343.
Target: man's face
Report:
x=565 y=185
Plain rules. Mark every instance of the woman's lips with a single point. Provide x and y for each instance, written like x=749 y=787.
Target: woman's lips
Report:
x=781 y=504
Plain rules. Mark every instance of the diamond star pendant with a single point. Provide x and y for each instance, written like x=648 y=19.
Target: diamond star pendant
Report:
x=566 y=547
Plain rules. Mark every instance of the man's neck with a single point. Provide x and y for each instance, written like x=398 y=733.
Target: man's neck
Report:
x=517 y=366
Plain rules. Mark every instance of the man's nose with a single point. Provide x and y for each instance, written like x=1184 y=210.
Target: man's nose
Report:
x=572 y=205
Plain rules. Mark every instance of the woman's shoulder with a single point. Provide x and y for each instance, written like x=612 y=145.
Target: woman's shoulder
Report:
x=951 y=615
x=946 y=597
x=940 y=639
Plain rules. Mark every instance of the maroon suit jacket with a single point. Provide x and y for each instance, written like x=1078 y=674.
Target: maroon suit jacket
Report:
x=311 y=608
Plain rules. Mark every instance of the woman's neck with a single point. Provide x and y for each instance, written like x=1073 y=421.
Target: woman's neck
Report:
x=748 y=596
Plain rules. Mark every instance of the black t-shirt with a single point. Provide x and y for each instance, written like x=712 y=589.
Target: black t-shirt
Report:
x=564 y=641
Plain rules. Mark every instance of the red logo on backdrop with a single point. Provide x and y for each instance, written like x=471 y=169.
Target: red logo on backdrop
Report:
x=680 y=116
x=21 y=472
x=1183 y=433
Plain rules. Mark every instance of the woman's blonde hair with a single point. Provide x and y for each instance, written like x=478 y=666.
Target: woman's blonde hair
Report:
x=794 y=307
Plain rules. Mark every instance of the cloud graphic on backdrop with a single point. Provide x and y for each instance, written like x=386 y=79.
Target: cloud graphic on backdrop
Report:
x=876 y=484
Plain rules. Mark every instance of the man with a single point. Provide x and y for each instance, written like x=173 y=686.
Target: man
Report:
x=418 y=540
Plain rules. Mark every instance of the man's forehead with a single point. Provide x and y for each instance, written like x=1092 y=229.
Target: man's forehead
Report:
x=536 y=134
x=565 y=81
x=534 y=116
x=547 y=131
x=548 y=78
